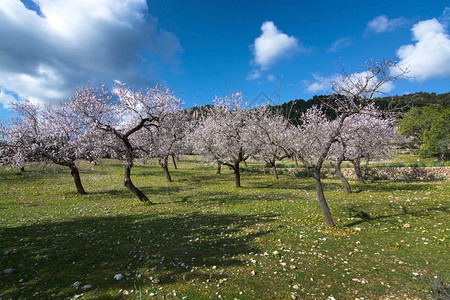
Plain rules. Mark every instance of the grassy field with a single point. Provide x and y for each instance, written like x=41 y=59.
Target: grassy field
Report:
x=206 y=239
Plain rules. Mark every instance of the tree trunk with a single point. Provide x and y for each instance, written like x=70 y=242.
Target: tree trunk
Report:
x=76 y=177
x=321 y=198
x=219 y=167
x=341 y=176
x=357 y=166
x=164 y=163
x=274 y=169
x=296 y=161
x=22 y=169
x=237 y=174
x=367 y=161
x=129 y=184
x=174 y=162
x=245 y=163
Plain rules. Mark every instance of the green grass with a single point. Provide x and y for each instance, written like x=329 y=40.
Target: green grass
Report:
x=204 y=238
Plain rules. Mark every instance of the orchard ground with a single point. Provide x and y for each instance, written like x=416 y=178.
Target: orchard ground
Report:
x=206 y=239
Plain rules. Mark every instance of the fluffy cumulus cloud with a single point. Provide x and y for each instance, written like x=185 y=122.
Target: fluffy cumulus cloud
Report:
x=382 y=24
x=273 y=45
x=270 y=47
x=429 y=55
x=53 y=46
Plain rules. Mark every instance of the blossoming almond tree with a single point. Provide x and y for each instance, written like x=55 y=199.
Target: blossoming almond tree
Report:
x=271 y=132
x=352 y=93
x=224 y=135
x=364 y=135
x=311 y=142
x=50 y=134
x=121 y=117
x=17 y=138
x=168 y=139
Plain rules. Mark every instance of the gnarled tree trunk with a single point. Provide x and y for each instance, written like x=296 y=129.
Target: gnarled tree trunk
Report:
x=76 y=177
x=341 y=176
x=165 y=165
x=129 y=184
x=296 y=161
x=219 y=167
x=237 y=174
x=174 y=162
x=357 y=166
x=321 y=197
x=274 y=168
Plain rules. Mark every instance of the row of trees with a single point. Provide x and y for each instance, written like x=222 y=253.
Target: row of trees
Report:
x=130 y=124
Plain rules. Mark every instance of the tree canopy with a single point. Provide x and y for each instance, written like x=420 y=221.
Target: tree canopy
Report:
x=428 y=127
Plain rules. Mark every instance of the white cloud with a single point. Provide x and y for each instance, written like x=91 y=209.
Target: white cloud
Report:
x=320 y=84
x=429 y=56
x=351 y=84
x=254 y=74
x=445 y=17
x=270 y=47
x=6 y=98
x=340 y=44
x=382 y=24
x=70 y=42
x=273 y=45
x=364 y=82
x=271 y=77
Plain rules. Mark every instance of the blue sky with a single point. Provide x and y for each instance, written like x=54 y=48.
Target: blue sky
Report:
x=203 y=49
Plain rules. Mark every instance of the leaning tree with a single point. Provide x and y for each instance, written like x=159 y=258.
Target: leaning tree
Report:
x=352 y=93
x=120 y=115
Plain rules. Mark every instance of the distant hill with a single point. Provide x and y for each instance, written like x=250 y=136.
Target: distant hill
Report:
x=293 y=109
x=417 y=99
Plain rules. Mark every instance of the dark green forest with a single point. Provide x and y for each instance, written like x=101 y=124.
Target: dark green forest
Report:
x=293 y=109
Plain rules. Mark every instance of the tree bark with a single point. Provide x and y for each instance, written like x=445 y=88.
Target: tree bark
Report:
x=129 y=184
x=174 y=161
x=321 y=197
x=237 y=174
x=274 y=170
x=341 y=176
x=165 y=165
x=357 y=166
x=76 y=177
x=296 y=161
x=219 y=167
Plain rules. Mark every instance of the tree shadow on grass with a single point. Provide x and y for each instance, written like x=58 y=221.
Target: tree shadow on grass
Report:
x=213 y=197
x=361 y=215
x=48 y=258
